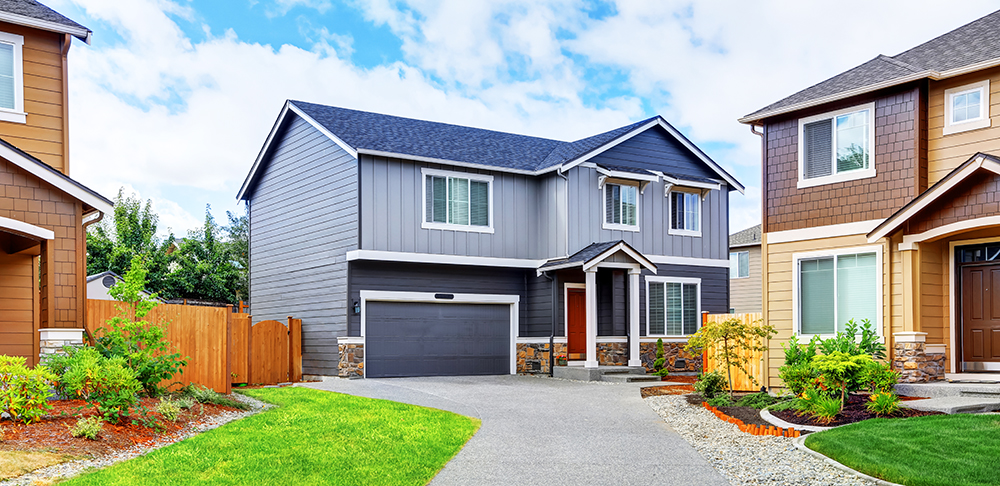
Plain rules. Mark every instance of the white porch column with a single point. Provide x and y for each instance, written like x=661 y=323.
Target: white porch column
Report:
x=633 y=318
x=591 y=319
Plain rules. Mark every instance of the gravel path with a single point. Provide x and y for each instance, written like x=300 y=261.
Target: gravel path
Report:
x=746 y=459
x=69 y=469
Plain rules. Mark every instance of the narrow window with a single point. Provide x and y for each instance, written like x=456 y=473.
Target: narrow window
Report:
x=739 y=264
x=621 y=204
x=685 y=211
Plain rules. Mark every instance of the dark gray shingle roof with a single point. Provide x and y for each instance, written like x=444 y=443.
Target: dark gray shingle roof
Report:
x=972 y=43
x=585 y=255
x=35 y=10
x=746 y=237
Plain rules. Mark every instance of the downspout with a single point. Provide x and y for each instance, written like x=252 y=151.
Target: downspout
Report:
x=763 y=229
x=100 y=216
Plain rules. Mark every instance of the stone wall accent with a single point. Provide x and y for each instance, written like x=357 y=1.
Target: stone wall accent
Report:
x=612 y=354
x=671 y=353
x=54 y=344
x=533 y=358
x=915 y=365
x=352 y=360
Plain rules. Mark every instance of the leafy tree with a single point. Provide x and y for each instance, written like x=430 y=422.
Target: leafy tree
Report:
x=730 y=342
x=204 y=266
x=239 y=247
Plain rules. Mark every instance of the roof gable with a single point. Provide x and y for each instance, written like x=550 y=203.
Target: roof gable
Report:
x=655 y=149
x=60 y=181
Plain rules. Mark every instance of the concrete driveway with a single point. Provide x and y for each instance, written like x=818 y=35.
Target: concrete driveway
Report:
x=546 y=431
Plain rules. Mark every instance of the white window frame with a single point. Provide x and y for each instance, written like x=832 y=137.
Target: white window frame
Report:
x=797 y=282
x=670 y=213
x=680 y=280
x=604 y=201
x=738 y=253
x=424 y=172
x=984 y=120
x=842 y=176
x=16 y=115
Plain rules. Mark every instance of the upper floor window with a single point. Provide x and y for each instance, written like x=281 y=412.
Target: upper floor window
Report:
x=685 y=213
x=739 y=264
x=673 y=306
x=967 y=107
x=457 y=201
x=11 y=78
x=837 y=146
x=621 y=207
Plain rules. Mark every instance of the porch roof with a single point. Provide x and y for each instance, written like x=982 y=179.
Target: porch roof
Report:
x=595 y=253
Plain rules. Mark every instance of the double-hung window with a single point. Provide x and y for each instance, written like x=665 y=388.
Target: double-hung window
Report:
x=739 y=264
x=967 y=107
x=621 y=207
x=685 y=213
x=457 y=201
x=837 y=146
x=832 y=289
x=11 y=78
x=673 y=306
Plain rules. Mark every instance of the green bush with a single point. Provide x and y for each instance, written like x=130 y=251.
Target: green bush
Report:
x=108 y=384
x=879 y=378
x=720 y=401
x=841 y=371
x=797 y=377
x=883 y=403
x=185 y=402
x=710 y=384
x=169 y=409
x=759 y=400
x=24 y=392
x=202 y=394
x=798 y=354
x=659 y=366
x=825 y=409
x=846 y=342
x=89 y=428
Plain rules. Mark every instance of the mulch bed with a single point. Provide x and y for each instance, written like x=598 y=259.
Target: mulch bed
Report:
x=655 y=391
x=854 y=411
x=52 y=434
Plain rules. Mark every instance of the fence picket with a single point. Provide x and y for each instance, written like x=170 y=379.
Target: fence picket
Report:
x=741 y=380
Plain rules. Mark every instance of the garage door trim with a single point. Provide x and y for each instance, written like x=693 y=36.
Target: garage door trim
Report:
x=429 y=297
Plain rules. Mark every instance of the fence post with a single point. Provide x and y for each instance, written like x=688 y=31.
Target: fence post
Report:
x=249 y=350
x=229 y=349
x=294 y=349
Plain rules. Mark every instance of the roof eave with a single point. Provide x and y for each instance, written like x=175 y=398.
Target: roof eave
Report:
x=78 y=32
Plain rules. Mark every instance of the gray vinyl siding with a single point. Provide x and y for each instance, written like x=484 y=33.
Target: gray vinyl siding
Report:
x=745 y=293
x=304 y=219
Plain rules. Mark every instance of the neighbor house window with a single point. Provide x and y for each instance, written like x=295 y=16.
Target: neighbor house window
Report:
x=967 y=107
x=739 y=264
x=456 y=200
x=832 y=289
x=837 y=147
x=673 y=306
x=11 y=78
x=621 y=207
x=685 y=213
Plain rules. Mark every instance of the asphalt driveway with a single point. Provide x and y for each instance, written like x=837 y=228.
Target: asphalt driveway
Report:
x=545 y=431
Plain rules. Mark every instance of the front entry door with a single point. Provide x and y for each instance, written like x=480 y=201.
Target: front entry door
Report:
x=576 y=321
x=981 y=313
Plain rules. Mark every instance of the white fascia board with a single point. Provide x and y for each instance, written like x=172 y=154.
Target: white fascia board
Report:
x=82 y=34
x=642 y=260
x=398 y=256
x=820 y=232
x=20 y=227
x=686 y=183
x=56 y=180
x=956 y=227
x=558 y=267
x=635 y=176
x=347 y=148
x=745 y=245
x=676 y=260
x=433 y=160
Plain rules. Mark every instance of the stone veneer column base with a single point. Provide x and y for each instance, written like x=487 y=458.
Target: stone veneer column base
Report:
x=533 y=358
x=672 y=352
x=51 y=341
x=915 y=365
x=352 y=360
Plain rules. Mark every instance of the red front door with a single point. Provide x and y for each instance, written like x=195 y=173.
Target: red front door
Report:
x=576 y=320
x=981 y=313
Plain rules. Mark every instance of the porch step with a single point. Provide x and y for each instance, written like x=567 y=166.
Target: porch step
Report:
x=950 y=389
x=580 y=373
x=953 y=405
x=628 y=378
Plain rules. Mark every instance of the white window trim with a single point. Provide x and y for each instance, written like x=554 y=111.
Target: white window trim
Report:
x=17 y=115
x=737 y=253
x=984 y=120
x=424 y=224
x=680 y=280
x=670 y=213
x=604 y=201
x=843 y=176
x=796 y=285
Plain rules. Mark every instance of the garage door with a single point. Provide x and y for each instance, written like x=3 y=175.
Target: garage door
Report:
x=428 y=339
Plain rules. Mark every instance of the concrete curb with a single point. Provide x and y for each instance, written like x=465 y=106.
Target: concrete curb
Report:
x=764 y=414
x=801 y=445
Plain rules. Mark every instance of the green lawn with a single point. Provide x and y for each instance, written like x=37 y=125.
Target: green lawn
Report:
x=920 y=451
x=314 y=437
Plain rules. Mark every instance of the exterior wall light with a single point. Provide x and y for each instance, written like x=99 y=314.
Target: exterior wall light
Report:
x=357 y=308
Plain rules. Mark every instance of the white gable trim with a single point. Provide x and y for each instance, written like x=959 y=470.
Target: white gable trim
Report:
x=608 y=146
x=22 y=228
x=82 y=34
x=593 y=262
x=56 y=179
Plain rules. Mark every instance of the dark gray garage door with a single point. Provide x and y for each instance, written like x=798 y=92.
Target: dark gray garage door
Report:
x=426 y=339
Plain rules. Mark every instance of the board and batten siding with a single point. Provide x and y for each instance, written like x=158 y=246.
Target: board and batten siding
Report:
x=745 y=293
x=303 y=221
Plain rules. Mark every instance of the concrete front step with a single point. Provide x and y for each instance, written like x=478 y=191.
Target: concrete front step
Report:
x=628 y=378
x=580 y=373
x=954 y=389
x=953 y=405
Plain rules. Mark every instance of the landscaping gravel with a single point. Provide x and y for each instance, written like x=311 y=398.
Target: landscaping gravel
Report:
x=742 y=458
x=69 y=469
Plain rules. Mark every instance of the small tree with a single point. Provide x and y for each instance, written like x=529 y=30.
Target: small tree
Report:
x=730 y=342
x=659 y=366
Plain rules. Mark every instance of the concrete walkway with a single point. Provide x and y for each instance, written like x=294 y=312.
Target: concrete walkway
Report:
x=545 y=431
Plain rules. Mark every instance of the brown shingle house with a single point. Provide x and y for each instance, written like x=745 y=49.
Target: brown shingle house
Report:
x=43 y=212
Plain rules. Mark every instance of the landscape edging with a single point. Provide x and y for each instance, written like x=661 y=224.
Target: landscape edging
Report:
x=801 y=445
x=751 y=428
x=764 y=414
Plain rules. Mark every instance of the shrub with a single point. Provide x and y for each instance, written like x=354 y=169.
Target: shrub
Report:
x=798 y=354
x=24 y=392
x=106 y=383
x=185 y=402
x=757 y=400
x=169 y=409
x=659 y=368
x=720 y=401
x=883 y=403
x=202 y=394
x=846 y=342
x=825 y=409
x=806 y=402
x=710 y=384
x=89 y=428
x=840 y=370
x=797 y=376
x=879 y=378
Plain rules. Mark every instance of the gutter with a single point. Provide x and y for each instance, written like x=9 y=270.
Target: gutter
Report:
x=100 y=216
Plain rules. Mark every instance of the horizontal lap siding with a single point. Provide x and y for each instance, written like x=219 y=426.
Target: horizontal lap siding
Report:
x=945 y=152
x=17 y=330
x=304 y=219
x=745 y=293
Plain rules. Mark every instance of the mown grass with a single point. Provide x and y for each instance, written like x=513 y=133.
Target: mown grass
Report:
x=960 y=450
x=314 y=437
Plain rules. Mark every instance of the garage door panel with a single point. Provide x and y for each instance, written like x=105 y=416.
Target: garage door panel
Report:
x=430 y=339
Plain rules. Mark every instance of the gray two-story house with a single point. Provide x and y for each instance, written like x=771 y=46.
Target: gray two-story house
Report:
x=409 y=247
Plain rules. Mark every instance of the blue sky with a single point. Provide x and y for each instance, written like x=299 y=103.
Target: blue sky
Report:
x=174 y=98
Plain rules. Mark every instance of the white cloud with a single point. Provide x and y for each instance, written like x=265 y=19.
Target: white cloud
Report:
x=281 y=7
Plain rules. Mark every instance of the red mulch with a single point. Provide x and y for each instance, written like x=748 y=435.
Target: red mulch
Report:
x=52 y=433
x=854 y=411
x=655 y=391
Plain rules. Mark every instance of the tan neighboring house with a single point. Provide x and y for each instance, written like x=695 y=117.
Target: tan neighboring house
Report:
x=744 y=271
x=43 y=212
x=881 y=203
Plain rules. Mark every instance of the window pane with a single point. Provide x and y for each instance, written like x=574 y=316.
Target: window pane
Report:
x=616 y=204
x=609 y=204
x=458 y=201
x=973 y=105
x=745 y=264
x=677 y=210
x=692 y=205
x=439 y=194
x=852 y=141
x=818 y=150
x=690 y=308
x=6 y=76
x=629 y=205
x=656 y=308
x=674 y=309
x=856 y=292
x=734 y=265
x=479 y=203
x=816 y=296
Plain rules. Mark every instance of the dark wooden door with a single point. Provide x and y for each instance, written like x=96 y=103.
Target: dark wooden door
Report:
x=576 y=320
x=981 y=313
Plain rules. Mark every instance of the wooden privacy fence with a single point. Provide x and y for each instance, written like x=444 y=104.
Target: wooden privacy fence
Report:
x=756 y=364
x=222 y=347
